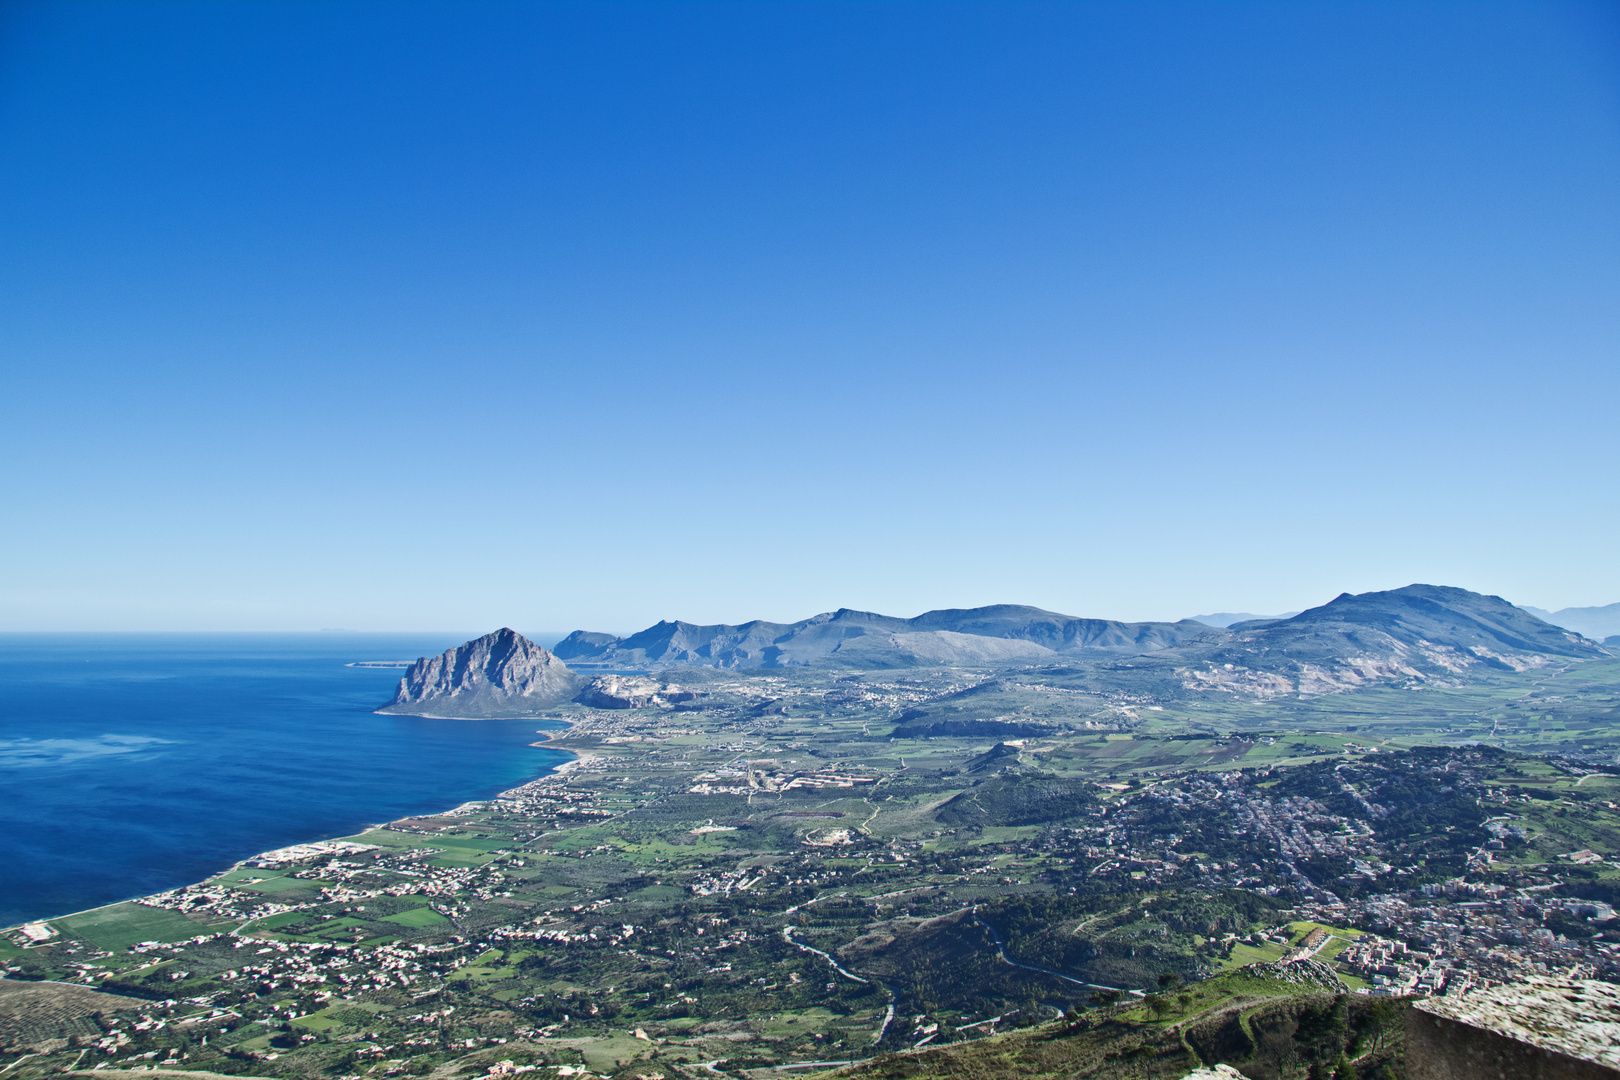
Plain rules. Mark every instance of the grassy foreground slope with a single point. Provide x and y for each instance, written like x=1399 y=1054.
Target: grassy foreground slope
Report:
x=1270 y=1021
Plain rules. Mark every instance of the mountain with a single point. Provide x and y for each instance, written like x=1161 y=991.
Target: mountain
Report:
x=1418 y=633
x=1596 y=623
x=1223 y=619
x=1426 y=614
x=503 y=674
x=986 y=636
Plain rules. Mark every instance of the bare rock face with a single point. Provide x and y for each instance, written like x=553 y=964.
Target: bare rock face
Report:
x=629 y=692
x=503 y=674
x=1541 y=1028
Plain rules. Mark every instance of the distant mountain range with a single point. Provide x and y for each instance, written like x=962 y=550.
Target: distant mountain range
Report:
x=987 y=636
x=1420 y=633
x=1223 y=619
x=1395 y=625
x=1596 y=623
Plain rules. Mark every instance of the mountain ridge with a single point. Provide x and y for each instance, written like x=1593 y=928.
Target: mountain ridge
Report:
x=1597 y=623
x=850 y=638
x=1224 y=619
x=1417 y=634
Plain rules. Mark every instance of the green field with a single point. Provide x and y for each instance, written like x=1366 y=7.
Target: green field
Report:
x=417 y=917
x=276 y=922
x=122 y=925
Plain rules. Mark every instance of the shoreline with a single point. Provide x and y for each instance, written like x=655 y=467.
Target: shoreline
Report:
x=575 y=760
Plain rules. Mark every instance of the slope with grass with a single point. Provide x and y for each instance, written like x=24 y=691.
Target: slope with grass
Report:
x=1270 y=1021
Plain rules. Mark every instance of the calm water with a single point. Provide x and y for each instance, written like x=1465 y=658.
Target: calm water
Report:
x=134 y=763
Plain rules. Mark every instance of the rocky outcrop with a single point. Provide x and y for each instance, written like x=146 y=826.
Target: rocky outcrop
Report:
x=1309 y=973
x=996 y=757
x=503 y=674
x=1539 y=1029
x=630 y=692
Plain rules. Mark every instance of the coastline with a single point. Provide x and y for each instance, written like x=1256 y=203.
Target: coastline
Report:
x=575 y=761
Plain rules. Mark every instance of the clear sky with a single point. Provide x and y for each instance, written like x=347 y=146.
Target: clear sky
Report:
x=432 y=316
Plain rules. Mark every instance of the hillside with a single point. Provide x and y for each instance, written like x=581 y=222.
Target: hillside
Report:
x=987 y=636
x=1270 y=1021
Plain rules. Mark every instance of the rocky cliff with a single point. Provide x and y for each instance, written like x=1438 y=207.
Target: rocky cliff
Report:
x=498 y=675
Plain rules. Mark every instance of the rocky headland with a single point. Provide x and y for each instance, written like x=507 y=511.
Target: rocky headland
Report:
x=503 y=674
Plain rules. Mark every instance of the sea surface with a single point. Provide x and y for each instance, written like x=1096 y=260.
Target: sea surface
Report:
x=134 y=763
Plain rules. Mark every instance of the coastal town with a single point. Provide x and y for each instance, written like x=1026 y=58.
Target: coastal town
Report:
x=764 y=875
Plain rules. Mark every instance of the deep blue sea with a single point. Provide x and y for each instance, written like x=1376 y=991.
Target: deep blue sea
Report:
x=133 y=763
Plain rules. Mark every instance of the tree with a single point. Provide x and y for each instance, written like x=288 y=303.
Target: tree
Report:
x=1382 y=1016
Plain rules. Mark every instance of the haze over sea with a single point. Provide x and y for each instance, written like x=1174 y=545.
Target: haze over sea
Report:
x=134 y=763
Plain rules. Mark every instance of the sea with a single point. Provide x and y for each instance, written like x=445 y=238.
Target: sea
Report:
x=135 y=763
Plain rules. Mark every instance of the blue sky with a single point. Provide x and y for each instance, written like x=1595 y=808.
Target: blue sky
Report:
x=421 y=316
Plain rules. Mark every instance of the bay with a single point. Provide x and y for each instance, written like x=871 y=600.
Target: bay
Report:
x=135 y=763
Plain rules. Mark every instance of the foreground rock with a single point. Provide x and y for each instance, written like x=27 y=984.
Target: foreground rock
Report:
x=1542 y=1028
x=503 y=674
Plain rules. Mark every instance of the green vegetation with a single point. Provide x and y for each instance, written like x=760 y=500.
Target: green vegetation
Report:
x=1268 y=1027
x=416 y=917
x=122 y=925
